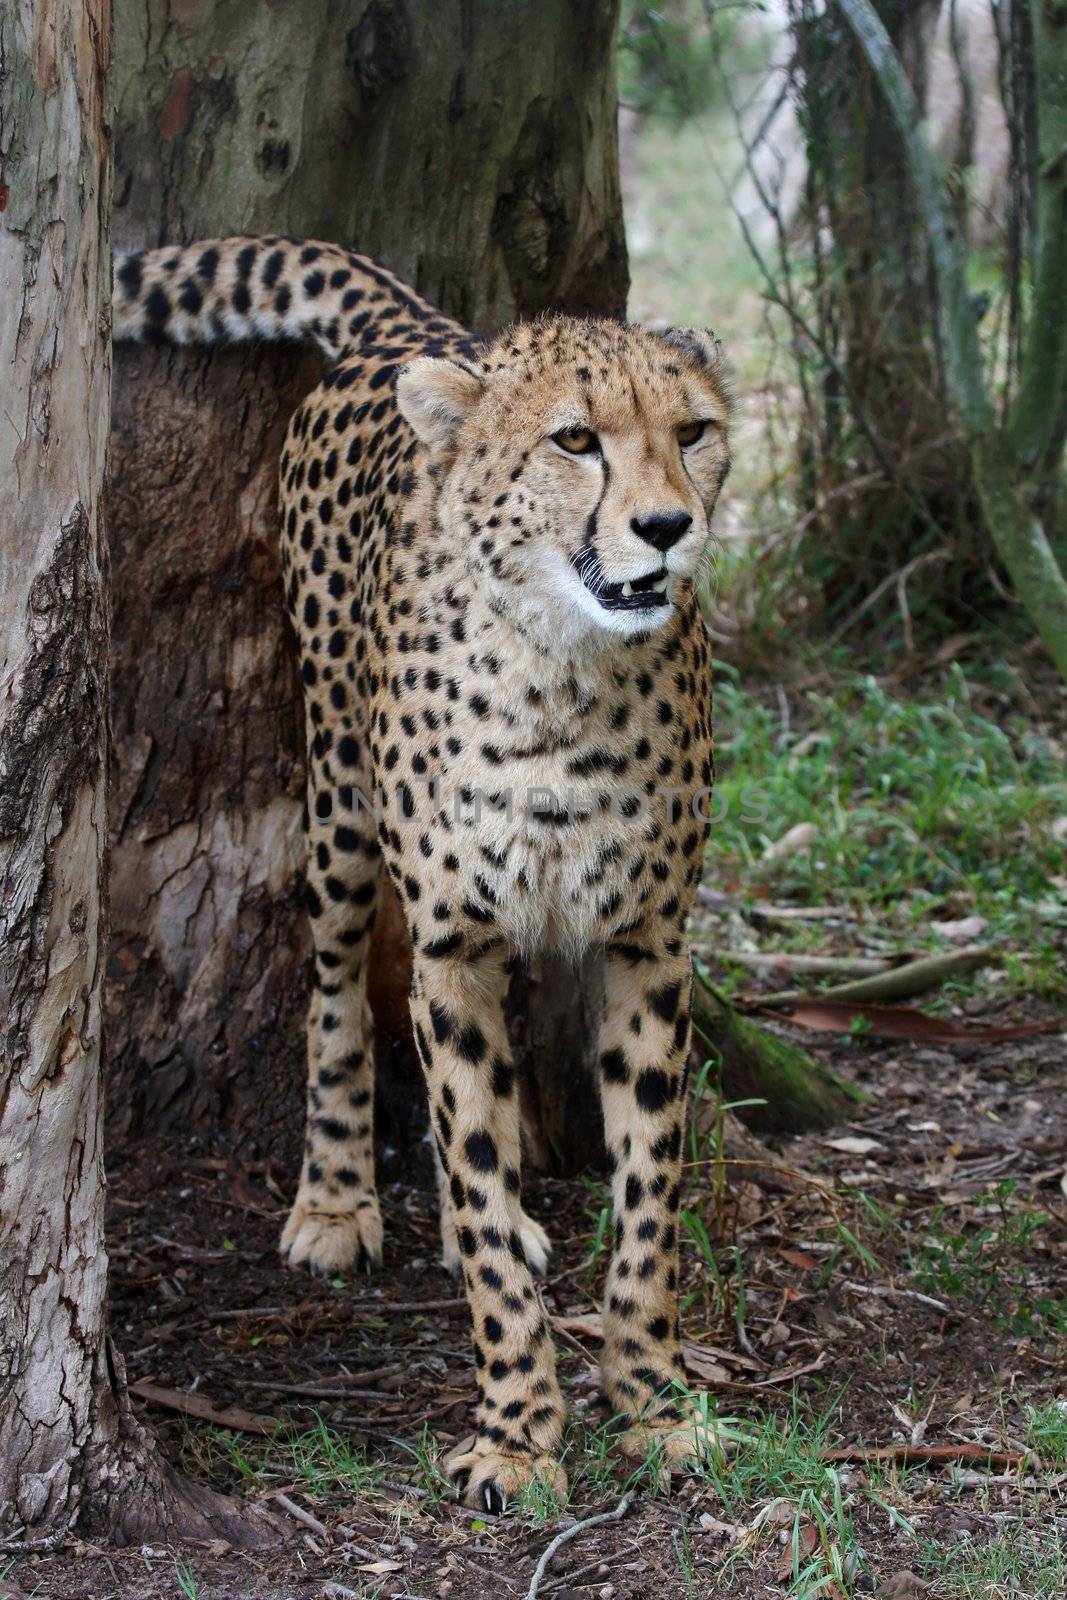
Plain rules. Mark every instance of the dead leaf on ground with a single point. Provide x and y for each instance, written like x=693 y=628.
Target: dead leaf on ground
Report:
x=799 y=1258
x=903 y=1586
x=902 y=1022
x=963 y=928
x=849 y=1145
x=803 y=1545
x=797 y=838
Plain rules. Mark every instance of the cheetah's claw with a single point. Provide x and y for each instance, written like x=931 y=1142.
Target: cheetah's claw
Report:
x=488 y=1480
x=332 y=1241
x=676 y=1444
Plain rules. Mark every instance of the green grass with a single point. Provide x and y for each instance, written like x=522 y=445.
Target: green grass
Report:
x=1046 y=1432
x=924 y=811
x=990 y=1264
x=1023 y=1561
x=186 y=1580
x=318 y=1461
x=430 y=1474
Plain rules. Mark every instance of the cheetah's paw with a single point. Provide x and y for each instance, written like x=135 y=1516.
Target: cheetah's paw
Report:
x=332 y=1241
x=675 y=1444
x=489 y=1480
x=536 y=1244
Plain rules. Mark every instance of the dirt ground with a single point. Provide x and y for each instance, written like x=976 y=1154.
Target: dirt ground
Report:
x=897 y=1289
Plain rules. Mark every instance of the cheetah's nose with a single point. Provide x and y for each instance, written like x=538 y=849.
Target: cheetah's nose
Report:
x=662 y=529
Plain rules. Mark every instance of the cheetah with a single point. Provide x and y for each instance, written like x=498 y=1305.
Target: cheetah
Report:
x=491 y=550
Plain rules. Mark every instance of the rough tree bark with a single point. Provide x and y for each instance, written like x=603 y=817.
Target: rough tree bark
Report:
x=70 y=1452
x=472 y=147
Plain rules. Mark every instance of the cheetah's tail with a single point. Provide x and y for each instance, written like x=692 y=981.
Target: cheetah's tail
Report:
x=225 y=290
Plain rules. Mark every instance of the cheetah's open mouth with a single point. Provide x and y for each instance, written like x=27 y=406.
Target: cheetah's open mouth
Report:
x=636 y=594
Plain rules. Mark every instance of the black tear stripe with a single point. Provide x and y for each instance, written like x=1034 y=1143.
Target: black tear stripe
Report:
x=591 y=520
x=586 y=558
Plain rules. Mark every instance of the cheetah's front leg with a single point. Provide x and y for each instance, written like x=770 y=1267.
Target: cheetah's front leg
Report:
x=643 y=1061
x=459 y=1029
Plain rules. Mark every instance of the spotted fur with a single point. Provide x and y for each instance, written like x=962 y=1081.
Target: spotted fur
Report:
x=522 y=739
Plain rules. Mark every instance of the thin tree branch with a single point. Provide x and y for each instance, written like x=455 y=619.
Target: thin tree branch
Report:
x=569 y=1533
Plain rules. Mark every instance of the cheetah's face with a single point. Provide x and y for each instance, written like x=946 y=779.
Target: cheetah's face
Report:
x=580 y=466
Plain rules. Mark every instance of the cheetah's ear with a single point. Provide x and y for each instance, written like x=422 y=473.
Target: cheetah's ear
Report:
x=434 y=396
x=702 y=348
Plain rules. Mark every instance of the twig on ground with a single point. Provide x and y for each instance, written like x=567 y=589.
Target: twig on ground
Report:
x=205 y=1410
x=897 y=982
x=331 y=1391
x=888 y=1292
x=570 y=1533
x=935 y=1454
x=300 y=1514
x=411 y=1306
x=773 y=961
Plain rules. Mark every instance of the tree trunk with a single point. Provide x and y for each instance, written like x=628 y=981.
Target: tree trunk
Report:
x=472 y=147
x=70 y=1452
x=881 y=410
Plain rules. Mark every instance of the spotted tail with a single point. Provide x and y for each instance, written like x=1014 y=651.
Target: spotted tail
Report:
x=226 y=290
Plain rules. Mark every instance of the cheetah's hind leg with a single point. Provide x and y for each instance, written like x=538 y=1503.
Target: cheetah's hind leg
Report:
x=335 y=1223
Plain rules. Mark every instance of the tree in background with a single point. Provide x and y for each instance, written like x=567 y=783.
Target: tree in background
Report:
x=1016 y=449
x=923 y=318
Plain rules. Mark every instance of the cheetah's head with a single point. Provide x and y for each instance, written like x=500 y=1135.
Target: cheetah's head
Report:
x=578 y=464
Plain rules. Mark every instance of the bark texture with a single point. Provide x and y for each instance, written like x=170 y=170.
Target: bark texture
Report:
x=71 y=1453
x=53 y=832
x=471 y=145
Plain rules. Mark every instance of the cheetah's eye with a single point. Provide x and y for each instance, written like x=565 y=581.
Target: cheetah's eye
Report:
x=577 y=441
x=690 y=432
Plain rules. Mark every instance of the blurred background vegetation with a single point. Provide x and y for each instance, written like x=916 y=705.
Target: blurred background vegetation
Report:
x=879 y=675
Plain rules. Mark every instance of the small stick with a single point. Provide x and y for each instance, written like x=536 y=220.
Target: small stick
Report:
x=887 y=1292
x=300 y=1514
x=569 y=1533
x=935 y=1454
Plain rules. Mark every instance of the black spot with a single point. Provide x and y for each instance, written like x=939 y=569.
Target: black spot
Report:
x=442 y=1021
x=653 y=1089
x=157 y=306
x=613 y=1066
x=470 y=1044
x=664 y=1002
x=480 y=1150
x=131 y=274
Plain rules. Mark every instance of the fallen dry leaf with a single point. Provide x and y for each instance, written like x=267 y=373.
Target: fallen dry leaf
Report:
x=903 y=1586
x=849 y=1145
x=807 y=1542
x=799 y=1258
x=797 y=838
x=902 y=1022
x=963 y=929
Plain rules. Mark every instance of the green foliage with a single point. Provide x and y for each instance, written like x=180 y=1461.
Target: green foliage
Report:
x=1046 y=1432
x=669 y=53
x=991 y=1265
x=318 y=1460
x=1021 y=1559
x=186 y=1579
x=918 y=806
x=430 y=1474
